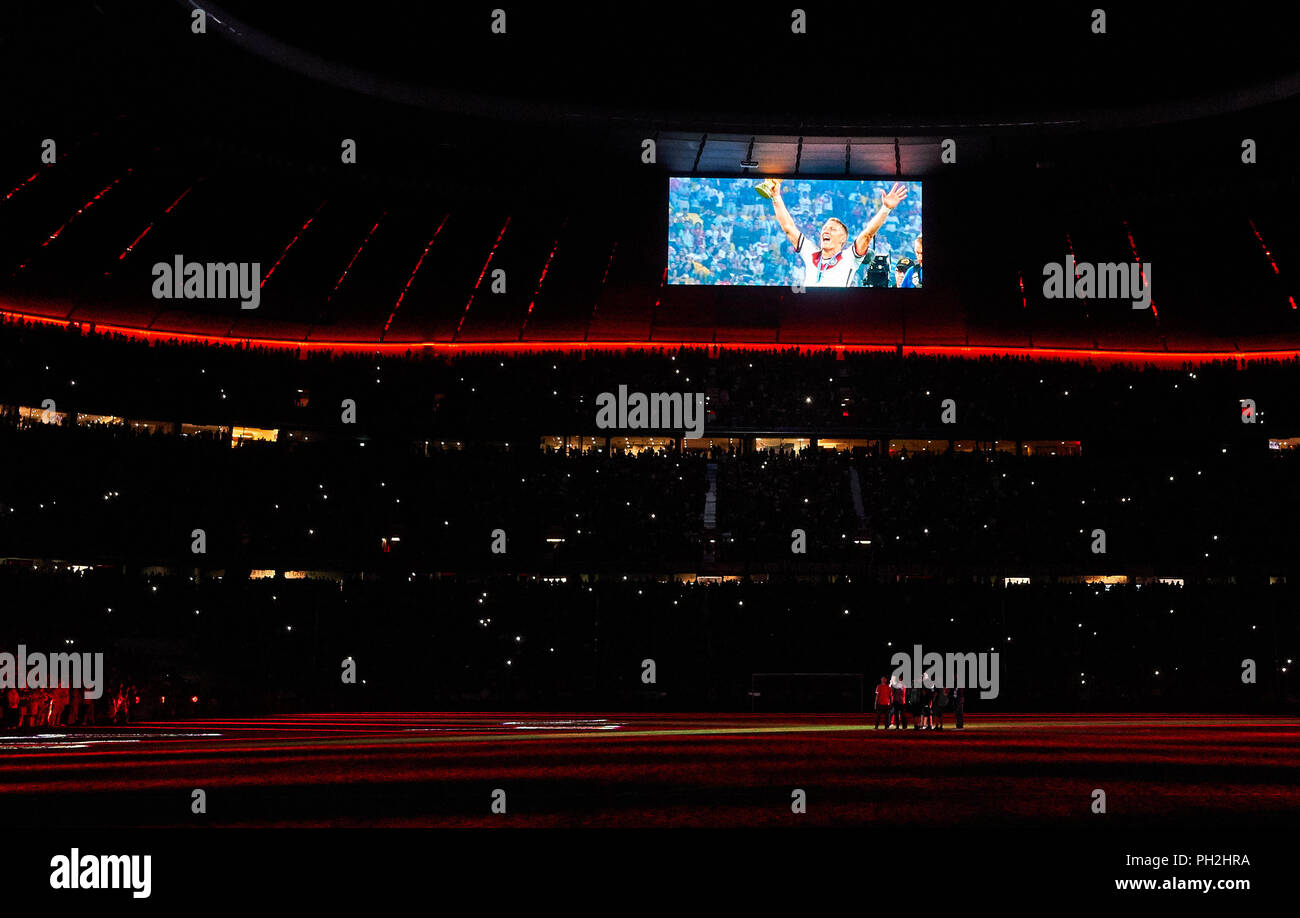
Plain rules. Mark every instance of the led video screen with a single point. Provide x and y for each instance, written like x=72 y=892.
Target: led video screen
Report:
x=794 y=231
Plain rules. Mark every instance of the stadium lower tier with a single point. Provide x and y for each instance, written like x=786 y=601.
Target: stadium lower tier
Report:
x=185 y=646
x=104 y=494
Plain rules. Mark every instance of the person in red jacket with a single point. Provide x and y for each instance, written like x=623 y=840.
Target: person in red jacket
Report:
x=884 y=701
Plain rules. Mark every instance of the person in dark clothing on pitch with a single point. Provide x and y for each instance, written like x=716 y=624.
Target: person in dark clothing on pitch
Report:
x=937 y=705
x=12 y=708
x=959 y=707
x=898 y=701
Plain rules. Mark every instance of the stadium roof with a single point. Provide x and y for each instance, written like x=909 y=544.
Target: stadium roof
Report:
x=521 y=151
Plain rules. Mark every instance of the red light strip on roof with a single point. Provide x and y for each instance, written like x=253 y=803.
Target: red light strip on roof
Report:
x=658 y=299
x=172 y=205
x=410 y=280
x=355 y=255
x=1070 y=244
x=127 y=250
x=81 y=210
x=1267 y=253
x=470 y=301
x=596 y=305
x=35 y=175
x=546 y=267
x=1269 y=256
x=1133 y=248
x=517 y=347
x=21 y=185
x=604 y=277
x=296 y=237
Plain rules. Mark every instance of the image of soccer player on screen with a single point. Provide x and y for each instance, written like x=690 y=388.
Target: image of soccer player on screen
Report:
x=826 y=262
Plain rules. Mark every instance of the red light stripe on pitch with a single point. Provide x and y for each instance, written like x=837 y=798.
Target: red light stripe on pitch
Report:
x=470 y=301
x=410 y=280
x=296 y=237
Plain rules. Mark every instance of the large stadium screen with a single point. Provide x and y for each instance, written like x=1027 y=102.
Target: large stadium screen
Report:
x=794 y=231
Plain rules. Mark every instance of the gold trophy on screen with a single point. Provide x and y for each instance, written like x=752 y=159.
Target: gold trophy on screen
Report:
x=767 y=188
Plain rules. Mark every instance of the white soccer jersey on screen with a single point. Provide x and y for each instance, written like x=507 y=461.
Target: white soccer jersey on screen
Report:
x=819 y=271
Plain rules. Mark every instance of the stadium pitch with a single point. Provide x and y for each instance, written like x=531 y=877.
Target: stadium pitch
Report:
x=631 y=770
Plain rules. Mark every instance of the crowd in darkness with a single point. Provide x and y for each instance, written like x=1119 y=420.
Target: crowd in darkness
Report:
x=392 y=523
x=1168 y=470
x=229 y=645
x=554 y=392
x=357 y=504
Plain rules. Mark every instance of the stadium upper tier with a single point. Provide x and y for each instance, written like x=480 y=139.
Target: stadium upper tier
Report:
x=95 y=237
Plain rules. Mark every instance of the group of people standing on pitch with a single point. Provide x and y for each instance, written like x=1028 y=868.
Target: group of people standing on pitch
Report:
x=61 y=706
x=927 y=701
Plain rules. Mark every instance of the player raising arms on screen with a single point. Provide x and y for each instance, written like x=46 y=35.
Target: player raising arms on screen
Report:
x=826 y=263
